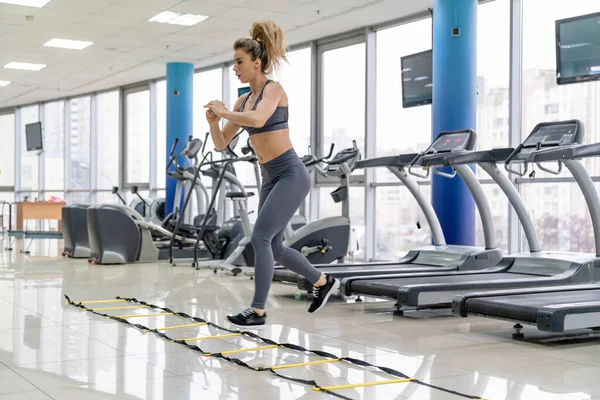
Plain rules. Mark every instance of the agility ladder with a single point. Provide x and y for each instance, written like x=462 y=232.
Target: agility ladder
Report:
x=399 y=377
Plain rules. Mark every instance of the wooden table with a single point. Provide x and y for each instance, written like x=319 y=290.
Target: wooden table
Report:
x=39 y=210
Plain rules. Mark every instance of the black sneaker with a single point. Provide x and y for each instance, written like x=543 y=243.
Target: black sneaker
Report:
x=247 y=318
x=321 y=294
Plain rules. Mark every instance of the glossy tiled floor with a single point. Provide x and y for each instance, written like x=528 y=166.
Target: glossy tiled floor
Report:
x=49 y=350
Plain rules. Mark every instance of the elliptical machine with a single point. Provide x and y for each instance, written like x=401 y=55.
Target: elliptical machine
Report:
x=229 y=242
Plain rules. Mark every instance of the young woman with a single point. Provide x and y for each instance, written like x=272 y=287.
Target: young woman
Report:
x=263 y=113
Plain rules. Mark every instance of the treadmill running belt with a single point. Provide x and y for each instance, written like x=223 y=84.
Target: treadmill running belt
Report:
x=341 y=272
x=524 y=307
x=389 y=287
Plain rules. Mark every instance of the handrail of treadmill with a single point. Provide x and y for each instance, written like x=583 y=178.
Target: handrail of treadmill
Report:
x=566 y=152
x=401 y=160
x=493 y=155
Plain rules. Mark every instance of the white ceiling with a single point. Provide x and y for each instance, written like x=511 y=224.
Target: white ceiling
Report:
x=127 y=48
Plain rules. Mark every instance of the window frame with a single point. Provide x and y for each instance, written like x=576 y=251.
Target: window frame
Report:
x=360 y=38
x=125 y=184
x=3 y=112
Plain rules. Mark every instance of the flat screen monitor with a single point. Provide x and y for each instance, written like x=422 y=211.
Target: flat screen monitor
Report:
x=417 y=79
x=578 y=49
x=33 y=136
x=243 y=90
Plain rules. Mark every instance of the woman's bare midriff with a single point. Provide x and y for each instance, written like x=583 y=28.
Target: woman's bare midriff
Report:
x=269 y=145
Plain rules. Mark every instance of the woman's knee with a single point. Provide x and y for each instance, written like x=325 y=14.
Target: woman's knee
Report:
x=278 y=251
x=259 y=239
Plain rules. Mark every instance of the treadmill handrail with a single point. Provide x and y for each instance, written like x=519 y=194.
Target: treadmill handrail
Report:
x=433 y=161
x=483 y=206
x=565 y=152
x=516 y=201
x=492 y=155
x=400 y=160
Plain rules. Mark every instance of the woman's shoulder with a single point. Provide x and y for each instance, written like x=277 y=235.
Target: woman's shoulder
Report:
x=274 y=87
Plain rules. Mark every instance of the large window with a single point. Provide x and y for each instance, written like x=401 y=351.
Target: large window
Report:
x=342 y=115
x=107 y=123
x=29 y=159
x=161 y=135
x=54 y=146
x=493 y=60
x=543 y=99
x=80 y=148
x=7 y=150
x=399 y=130
x=138 y=136
x=208 y=86
x=295 y=77
x=560 y=216
x=400 y=224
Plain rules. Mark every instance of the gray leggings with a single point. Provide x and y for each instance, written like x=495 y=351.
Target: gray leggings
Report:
x=285 y=184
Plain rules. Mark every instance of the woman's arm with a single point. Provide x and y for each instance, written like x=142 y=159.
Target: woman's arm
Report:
x=222 y=137
x=254 y=118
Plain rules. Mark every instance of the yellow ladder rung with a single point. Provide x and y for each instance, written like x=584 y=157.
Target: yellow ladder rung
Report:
x=170 y=328
x=244 y=350
x=209 y=337
x=118 y=308
x=306 y=363
x=97 y=301
x=143 y=315
x=355 y=385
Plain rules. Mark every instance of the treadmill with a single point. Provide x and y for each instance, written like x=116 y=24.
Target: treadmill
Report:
x=439 y=257
x=550 y=308
x=524 y=270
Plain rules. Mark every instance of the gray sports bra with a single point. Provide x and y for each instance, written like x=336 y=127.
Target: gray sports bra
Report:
x=278 y=120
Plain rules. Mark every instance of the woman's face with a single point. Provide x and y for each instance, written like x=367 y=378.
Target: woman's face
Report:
x=245 y=69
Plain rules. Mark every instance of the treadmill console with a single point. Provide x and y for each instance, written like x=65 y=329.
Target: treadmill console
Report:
x=348 y=156
x=550 y=134
x=545 y=137
x=452 y=141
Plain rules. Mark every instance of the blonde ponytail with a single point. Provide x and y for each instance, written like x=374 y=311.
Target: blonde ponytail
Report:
x=267 y=43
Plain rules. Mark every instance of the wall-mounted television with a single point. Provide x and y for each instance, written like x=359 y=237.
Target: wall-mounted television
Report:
x=417 y=79
x=243 y=90
x=33 y=136
x=578 y=49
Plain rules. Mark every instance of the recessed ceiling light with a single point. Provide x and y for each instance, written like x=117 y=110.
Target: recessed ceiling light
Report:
x=29 y=3
x=173 y=18
x=68 y=44
x=25 y=66
x=4 y=83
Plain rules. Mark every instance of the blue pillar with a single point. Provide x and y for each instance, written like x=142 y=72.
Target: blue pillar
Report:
x=454 y=107
x=180 y=116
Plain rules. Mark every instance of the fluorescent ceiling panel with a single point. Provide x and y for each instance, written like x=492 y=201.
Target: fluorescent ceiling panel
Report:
x=29 y=3
x=173 y=18
x=68 y=44
x=25 y=66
